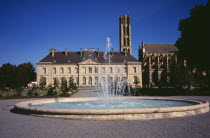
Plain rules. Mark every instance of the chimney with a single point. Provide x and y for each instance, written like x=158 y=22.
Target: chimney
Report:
x=125 y=52
x=66 y=52
x=98 y=51
x=81 y=52
x=52 y=51
x=112 y=51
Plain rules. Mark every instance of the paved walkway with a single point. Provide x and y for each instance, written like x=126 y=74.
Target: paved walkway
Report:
x=25 y=126
x=90 y=92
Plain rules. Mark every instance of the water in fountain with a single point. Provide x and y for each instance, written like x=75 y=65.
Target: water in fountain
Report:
x=108 y=86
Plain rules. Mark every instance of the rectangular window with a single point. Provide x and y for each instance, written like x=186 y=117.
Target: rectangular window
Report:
x=44 y=70
x=103 y=79
x=110 y=69
x=134 y=69
x=77 y=81
x=124 y=78
x=110 y=79
x=76 y=70
x=96 y=69
x=83 y=70
x=54 y=70
x=118 y=79
x=90 y=69
x=103 y=70
x=62 y=70
x=124 y=70
x=117 y=70
x=69 y=70
x=68 y=80
x=135 y=80
x=54 y=81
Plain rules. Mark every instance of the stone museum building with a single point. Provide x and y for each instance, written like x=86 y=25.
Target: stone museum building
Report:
x=88 y=67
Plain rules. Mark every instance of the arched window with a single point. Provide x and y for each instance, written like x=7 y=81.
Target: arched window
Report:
x=42 y=82
x=96 y=80
x=90 y=81
x=84 y=81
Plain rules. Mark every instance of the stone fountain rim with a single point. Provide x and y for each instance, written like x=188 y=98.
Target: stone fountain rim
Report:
x=122 y=112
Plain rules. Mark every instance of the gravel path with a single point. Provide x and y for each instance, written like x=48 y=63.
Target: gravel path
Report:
x=17 y=125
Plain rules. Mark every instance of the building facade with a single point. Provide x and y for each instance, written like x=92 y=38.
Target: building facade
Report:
x=88 y=67
x=156 y=59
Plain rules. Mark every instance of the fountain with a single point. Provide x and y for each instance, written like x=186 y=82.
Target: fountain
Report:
x=112 y=105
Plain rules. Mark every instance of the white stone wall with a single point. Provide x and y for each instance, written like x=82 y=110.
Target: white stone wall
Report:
x=50 y=75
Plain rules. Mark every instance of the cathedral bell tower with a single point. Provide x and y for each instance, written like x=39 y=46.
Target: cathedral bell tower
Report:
x=125 y=34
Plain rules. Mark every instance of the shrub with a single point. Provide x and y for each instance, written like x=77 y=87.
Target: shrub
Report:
x=30 y=93
x=41 y=93
x=24 y=93
x=54 y=92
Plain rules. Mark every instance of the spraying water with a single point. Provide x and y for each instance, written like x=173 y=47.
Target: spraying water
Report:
x=111 y=86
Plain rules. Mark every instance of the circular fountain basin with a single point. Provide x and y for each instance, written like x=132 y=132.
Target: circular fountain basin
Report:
x=115 y=108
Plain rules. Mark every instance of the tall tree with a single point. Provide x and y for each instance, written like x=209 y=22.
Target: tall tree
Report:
x=194 y=44
x=180 y=76
x=26 y=74
x=8 y=76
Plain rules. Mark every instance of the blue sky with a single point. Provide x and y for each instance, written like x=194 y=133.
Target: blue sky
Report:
x=29 y=28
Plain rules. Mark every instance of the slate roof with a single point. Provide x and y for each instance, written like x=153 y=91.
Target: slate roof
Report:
x=75 y=57
x=160 y=48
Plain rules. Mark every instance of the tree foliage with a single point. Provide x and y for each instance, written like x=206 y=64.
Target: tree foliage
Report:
x=194 y=44
x=25 y=74
x=16 y=77
x=63 y=84
x=8 y=76
x=180 y=76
